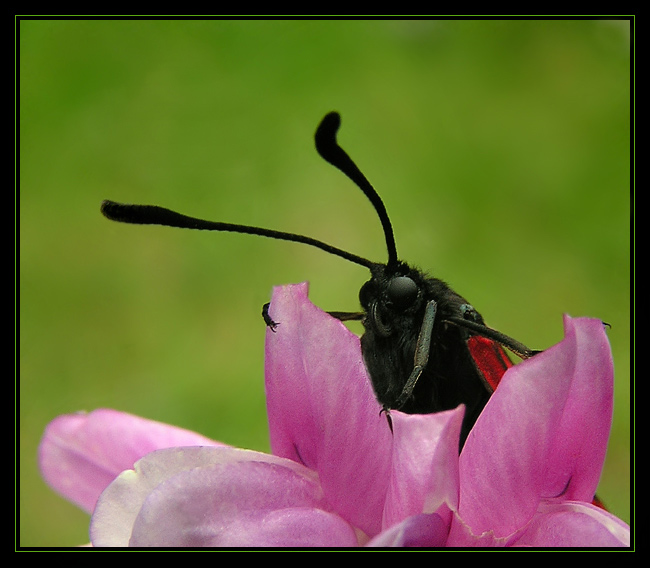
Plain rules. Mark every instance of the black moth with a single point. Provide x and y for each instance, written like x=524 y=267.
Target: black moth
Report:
x=425 y=347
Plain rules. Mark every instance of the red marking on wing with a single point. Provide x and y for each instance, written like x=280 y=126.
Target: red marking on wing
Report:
x=490 y=359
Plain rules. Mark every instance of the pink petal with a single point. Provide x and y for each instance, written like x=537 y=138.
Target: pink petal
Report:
x=521 y=448
x=416 y=531
x=322 y=409
x=425 y=464
x=579 y=446
x=216 y=497
x=80 y=454
x=574 y=524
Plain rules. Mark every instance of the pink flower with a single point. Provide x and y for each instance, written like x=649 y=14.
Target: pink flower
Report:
x=337 y=475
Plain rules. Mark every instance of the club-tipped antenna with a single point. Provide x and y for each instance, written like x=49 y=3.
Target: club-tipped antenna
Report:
x=155 y=215
x=330 y=151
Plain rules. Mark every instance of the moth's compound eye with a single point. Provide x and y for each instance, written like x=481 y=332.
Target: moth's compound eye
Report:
x=402 y=292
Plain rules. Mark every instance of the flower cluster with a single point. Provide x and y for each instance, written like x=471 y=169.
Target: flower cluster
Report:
x=338 y=476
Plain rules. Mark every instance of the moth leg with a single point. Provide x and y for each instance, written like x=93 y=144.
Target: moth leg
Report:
x=385 y=410
x=267 y=318
x=347 y=316
x=421 y=357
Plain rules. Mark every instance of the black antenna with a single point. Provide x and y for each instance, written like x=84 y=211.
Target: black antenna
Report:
x=330 y=151
x=154 y=215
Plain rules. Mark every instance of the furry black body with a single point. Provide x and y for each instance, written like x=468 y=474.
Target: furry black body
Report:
x=389 y=343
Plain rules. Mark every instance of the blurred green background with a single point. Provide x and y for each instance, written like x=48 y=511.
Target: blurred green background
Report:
x=501 y=150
